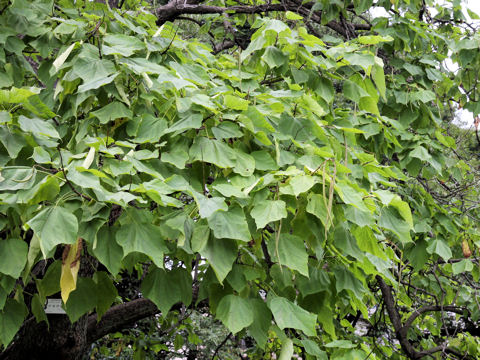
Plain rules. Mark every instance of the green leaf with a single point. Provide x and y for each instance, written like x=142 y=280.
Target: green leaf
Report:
x=363 y=60
x=112 y=111
x=420 y=153
x=11 y=141
x=291 y=252
x=149 y=129
x=207 y=206
x=212 y=151
x=54 y=225
x=122 y=44
x=13 y=256
x=38 y=127
x=342 y=344
x=403 y=209
x=234 y=312
x=47 y=189
x=345 y=280
x=41 y=156
x=245 y=164
x=200 y=236
x=235 y=102
x=379 y=79
x=82 y=300
x=312 y=348
x=141 y=65
x=462 y=267
x=96 y=82
x=290 y=315
x=325 y=89
x=228 y=190
x=106 y=292
x=441 y=248
x=143 y=238
x=226 y=130
x=292 y=16
x=297 y=185
x=192 y=121
x=373 y=39
x=350 y=195
x=229 y=224
x=107 y=250
x=273 y=57
x=264 y=161
x=50 y=284
x=262 y=319
x=11 y=318
x=391 y=220
x=220 y=254
x=176 y=157
x=166 y=288
x=268 y=211
x=38 y=310
x=353 y=92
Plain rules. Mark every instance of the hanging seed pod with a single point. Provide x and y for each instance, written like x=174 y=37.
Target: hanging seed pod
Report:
x=466 y=249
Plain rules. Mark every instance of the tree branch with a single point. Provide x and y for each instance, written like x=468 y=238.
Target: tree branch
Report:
x=428 y=308
x=176 y=8
x=401 y=331
x=120 y=317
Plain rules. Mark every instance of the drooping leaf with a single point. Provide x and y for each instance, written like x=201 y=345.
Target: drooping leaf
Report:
x=229 y=224
x=107 y=250
x=166 y=288
x=235 y=313
x=82 y=300
x=112 y=111
x=292 y=252
x=268 y=211
x=13 y=256
x=11 y=318
x=290 y=315
x=143 y=238
x=220 y=254
x=54 y=225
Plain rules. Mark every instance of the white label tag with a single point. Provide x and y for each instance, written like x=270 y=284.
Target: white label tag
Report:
x=54 y=306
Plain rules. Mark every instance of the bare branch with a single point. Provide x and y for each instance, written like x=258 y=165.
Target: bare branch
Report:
x=424 y=309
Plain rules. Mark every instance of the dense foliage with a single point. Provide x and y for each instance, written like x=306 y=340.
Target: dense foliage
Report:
x=287 y=168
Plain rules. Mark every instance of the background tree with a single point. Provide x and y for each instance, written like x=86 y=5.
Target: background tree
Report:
x=287 y=168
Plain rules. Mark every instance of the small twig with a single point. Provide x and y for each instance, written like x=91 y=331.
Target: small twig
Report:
x=268 y=259
x=220 y=345
x=171 y=42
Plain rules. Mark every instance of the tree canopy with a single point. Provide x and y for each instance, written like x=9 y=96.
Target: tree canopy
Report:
x=288 y=168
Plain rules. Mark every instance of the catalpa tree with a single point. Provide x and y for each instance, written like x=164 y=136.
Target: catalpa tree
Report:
x=287 y=167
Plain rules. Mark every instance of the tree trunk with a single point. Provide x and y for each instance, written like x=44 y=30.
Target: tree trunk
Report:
x=61 y=340
x=64 y=340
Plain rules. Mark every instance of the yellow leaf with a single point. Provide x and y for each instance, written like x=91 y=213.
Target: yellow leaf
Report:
x=70 y=267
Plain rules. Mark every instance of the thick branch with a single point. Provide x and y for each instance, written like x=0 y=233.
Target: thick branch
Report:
x=120 y=317
x=176 y=8
x=224 y=45
x=400 y=330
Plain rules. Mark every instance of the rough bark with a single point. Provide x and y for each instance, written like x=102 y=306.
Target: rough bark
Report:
x=401 y=330
x=63 y=340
